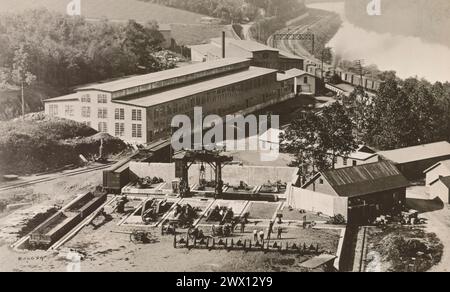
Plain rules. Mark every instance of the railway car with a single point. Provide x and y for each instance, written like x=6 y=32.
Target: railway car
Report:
x=54 y=228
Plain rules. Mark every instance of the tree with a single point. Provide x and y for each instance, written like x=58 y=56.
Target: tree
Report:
x=143 y=42
x=303 y=140
x=337 y=136
x=20 y=74
x=358 y=107
x=390 y=123
x=313 y=138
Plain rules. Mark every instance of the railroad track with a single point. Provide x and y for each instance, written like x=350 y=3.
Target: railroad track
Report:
x=47 y=179
x=362 y=255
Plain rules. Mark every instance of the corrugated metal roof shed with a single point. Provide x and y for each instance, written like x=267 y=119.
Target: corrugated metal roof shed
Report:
x=365 y=179
x=417 y=153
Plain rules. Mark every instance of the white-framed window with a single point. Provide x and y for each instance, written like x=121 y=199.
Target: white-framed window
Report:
x=136 y=115
x=102 y=113
x=136 y=130
x=86 y=98
x=102 y=98
x=305 y=79
x=119 y=114
x=69 y=110
x=53 y=110
x=120 y=129
x=345 y=161
x=103 y=127
x=86 y=112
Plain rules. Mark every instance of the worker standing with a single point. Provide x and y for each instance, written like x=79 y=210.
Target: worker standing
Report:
x=280 y=232
x=271 y=226
x=269 y=233
x=242 y=227
x=255 y=235
x=261 y=236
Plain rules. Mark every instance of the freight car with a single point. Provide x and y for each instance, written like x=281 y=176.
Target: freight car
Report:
x=118 y=176
x=65 y=220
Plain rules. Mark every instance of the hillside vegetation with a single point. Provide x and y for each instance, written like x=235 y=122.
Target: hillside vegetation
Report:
x=239 y=10
x=40 y=143
x=52 y=50
x=111 y=9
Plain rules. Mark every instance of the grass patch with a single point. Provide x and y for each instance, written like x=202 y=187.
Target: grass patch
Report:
x=407 y=248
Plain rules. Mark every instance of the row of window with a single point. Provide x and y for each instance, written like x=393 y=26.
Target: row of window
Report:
x=101 y=98
x=119 y=114
x=208 y=98
x=119 y=129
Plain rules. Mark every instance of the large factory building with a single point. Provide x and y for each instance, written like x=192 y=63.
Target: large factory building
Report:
x=260 y=55
x=140 y=109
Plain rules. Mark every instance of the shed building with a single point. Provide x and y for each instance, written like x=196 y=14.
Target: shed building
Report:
x=413 y=161
x=359 y=193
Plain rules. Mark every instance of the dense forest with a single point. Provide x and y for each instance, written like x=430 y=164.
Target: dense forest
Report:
x=239 y=10
x=403 y=113
x=426 y=19
x=38 y=47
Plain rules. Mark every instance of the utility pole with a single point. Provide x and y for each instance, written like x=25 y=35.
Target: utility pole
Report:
x=321 y=69
x=23 y=102
x=359 y=67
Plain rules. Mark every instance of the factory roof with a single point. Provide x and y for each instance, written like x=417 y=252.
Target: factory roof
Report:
x=198 y=87
x=365 y=179
x=417 y=153
x=215 y=50
x=249 y=46
x=70 y=97
x=135 y=81
x=292 y=73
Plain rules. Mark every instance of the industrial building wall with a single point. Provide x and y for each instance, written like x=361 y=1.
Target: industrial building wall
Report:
x=86 y=111
x=435 y=173
x=232 y=174
x=318 y=202
x=414 y=170
x=340 y=162
x=441 y=191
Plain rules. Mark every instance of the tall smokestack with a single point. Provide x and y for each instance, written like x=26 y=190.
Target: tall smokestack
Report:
x=223 y=45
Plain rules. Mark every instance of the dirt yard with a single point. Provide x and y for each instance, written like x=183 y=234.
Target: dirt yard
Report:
x=41 y=198
x=103 y=250
x=413 y=248
x=437 y=215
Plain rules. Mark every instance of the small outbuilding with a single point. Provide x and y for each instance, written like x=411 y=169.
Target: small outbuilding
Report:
x=413 y=161
x=440 y=188
x=439 y=169
x=367 y=191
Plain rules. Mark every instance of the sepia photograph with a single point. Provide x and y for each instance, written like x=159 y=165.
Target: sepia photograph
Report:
x=207 y=137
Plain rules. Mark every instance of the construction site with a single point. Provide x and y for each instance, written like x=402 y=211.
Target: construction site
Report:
x=203 y=211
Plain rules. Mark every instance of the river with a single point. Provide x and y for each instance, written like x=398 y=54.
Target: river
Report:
x=408 y=56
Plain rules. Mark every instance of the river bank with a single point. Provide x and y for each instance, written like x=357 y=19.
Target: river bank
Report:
x=408 y=56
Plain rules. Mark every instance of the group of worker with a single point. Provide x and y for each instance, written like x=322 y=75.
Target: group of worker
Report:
x=260 y=235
